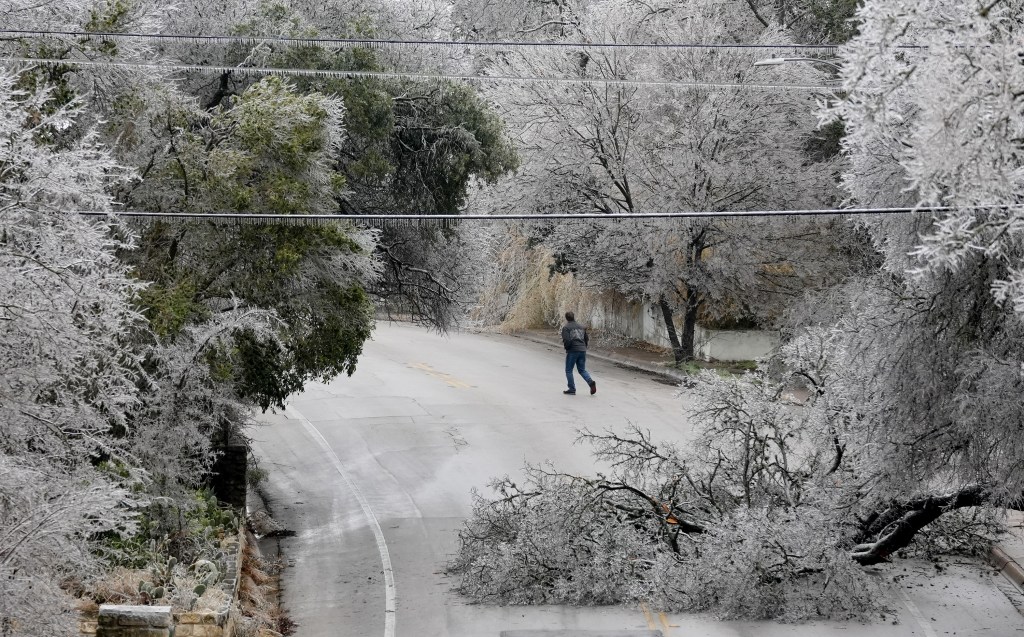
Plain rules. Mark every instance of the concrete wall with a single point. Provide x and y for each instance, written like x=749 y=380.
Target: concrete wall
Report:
x=616 y=315
x=644 y=322
x=735 y=345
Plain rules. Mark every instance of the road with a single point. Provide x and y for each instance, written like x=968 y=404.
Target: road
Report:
x=374 y=473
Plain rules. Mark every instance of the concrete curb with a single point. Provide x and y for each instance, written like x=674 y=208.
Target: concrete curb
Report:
x=610 y=358
x=1008 y=566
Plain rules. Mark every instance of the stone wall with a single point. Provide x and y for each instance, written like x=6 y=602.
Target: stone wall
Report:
x=220 y=622
x=134 y=621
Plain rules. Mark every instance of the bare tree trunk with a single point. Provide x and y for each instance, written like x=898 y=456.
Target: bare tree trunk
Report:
x=673 y=337
x=690 y=325
x=693 y=259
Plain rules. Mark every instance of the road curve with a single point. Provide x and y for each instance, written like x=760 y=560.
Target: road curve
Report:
x=374 y=473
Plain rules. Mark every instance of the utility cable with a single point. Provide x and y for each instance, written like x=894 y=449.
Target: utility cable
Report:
x=320 y=219
x=395 y=43
x=337 y=74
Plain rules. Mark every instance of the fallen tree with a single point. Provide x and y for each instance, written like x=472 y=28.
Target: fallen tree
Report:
x=764 y=515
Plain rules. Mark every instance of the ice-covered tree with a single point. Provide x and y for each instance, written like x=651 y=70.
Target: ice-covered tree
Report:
x=597 y=148
x=270 y=150
x=70 y=372
x=933 y=116
x=411 y=147
x=527 y=20
x=814 y=21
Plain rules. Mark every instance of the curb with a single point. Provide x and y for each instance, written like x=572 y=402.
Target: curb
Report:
x=610 y=358
x=1008 y=566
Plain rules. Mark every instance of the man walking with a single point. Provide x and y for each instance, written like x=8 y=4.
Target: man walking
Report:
x=575 y=341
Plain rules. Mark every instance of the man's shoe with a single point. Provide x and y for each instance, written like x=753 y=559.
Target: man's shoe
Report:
x=593 y=387
x=569 y=392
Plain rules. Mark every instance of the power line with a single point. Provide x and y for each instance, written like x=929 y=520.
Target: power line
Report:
x=335 y=74
x=395 y=43
x=379 y=219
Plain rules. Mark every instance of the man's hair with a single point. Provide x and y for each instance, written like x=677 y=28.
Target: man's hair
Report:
x=569 y=316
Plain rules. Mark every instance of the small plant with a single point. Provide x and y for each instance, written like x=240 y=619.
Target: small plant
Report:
x=169 y=581
x=149 y=593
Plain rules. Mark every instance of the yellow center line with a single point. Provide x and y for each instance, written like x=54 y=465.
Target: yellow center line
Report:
x=664 y=624
x=648 y=616
x=447 y=378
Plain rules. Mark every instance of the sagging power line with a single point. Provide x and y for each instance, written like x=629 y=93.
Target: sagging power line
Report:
x=336 y=74
x=449 y=219
x=384 y=44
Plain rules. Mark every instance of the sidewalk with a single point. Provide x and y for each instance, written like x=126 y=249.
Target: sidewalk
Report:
x=1007 y=556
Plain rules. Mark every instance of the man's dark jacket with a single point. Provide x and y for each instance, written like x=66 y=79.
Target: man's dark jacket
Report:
x=574 y=337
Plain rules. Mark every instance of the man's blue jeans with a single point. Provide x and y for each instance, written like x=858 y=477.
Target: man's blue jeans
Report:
x=579 y=361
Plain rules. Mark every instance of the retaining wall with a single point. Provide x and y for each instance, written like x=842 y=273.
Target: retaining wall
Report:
x=616 y=315
x=116 y=620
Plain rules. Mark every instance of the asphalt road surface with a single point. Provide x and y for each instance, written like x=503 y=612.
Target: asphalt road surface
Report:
x=374 y=473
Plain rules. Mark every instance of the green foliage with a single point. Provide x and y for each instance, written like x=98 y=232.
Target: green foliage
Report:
x=335 y=337
x=168 y=307
x=411 y=147
x=221 y=366
x=258 y=131
x=169 y=580
x=255 y=475
x=265 y=371
x=267 y=151
x=267 y=259
x=831 y=21
x=108 y=17
x=328 y=344
x=408 y=146
x=171 y=534
x=826 y=142
x=116 y=468
x=280 y=17
x=121 y=124
x=149 y=592
x=207 y=513
x=51 y=78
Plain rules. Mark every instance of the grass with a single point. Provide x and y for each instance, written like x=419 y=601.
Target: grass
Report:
x=722 y=368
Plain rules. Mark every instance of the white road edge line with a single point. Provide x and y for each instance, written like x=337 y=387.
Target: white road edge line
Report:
x=926 y=626
x=378 y=534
